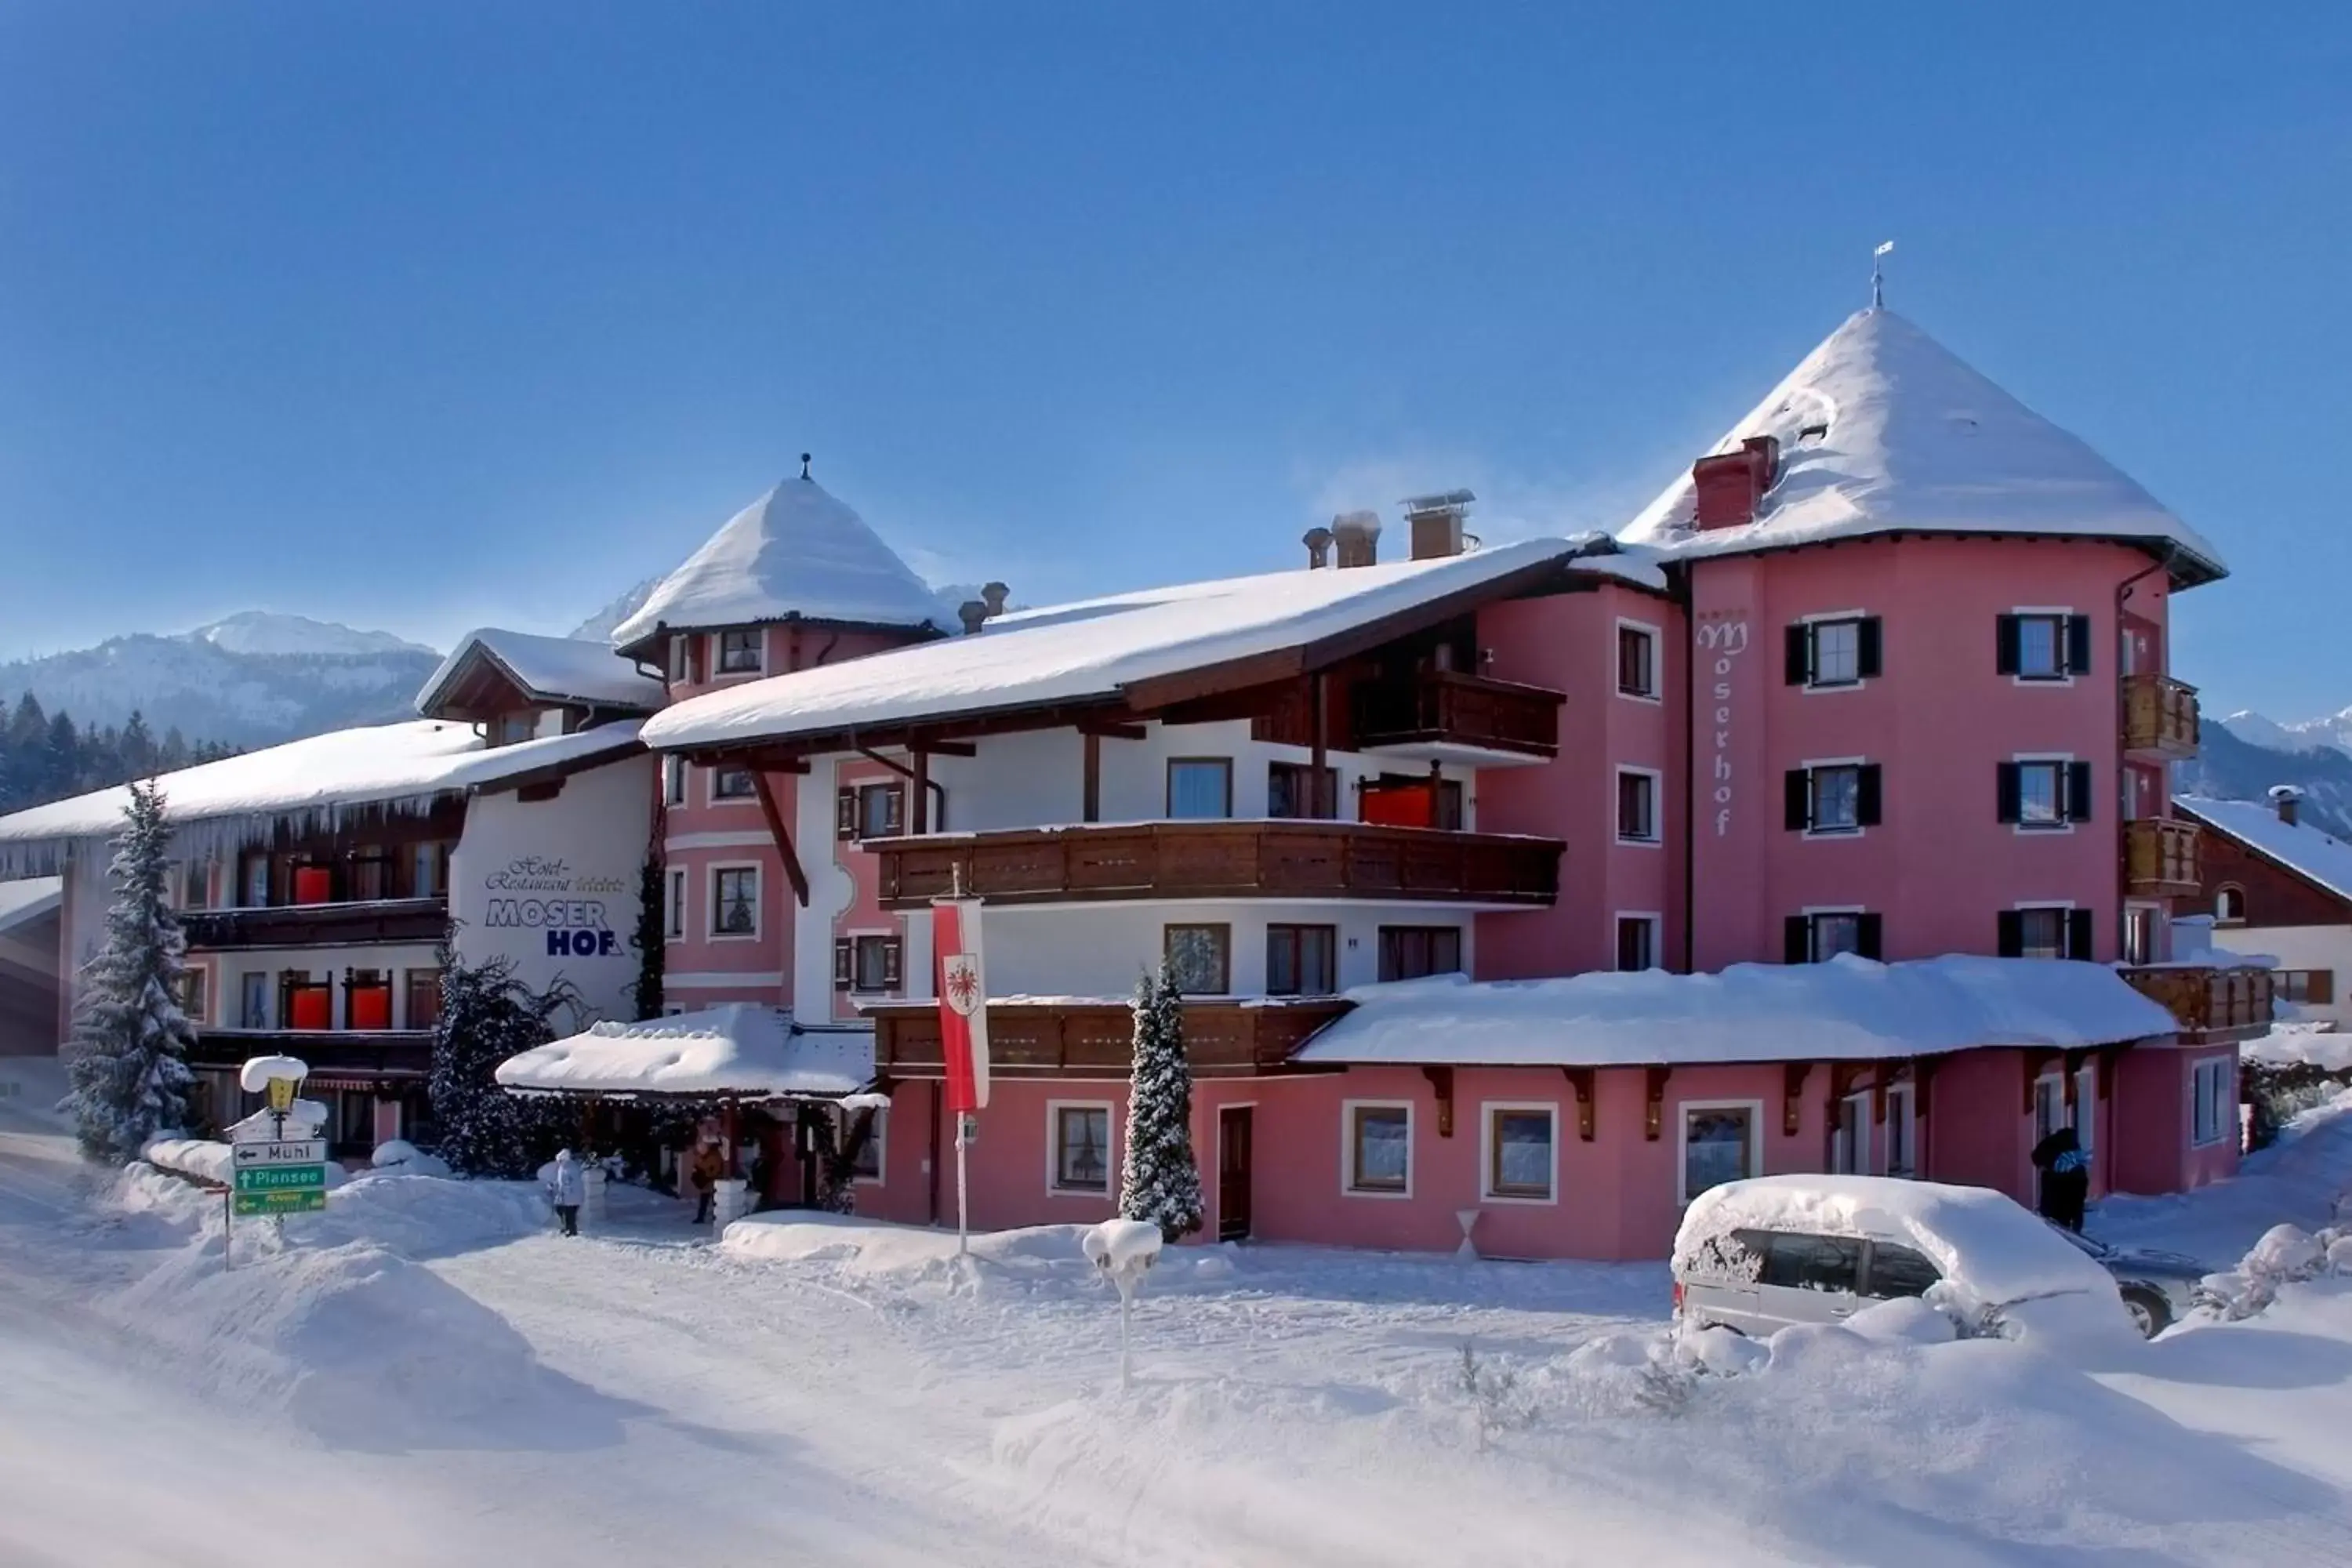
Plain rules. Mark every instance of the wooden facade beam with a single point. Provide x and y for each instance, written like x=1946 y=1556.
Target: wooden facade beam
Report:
x=783 y=835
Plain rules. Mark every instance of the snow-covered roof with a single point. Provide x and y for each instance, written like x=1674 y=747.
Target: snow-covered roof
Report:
x=28 y=898
x=739 y=1050
x=1093 y=650
x=2308 y=851
x=1917 y=440
x=546 y=669
x=240 y=800
x=796 y=551
x=1849 y=1008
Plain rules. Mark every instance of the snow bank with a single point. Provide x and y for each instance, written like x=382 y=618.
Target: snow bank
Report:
x=209 y=1162
x=2319 y=1046
x=303 y=1118
x=398 y=1156
x=740 y=1049
x=549 y=669
x=1849 y=1008
x=868 y=1246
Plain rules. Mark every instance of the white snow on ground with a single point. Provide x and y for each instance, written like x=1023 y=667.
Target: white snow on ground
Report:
x=2320 y=1046
x=427 y=1363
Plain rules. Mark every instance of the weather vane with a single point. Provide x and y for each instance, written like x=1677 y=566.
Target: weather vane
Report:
x=1877 y=276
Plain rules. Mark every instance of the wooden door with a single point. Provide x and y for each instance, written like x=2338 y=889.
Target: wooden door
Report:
x=1233 y=1173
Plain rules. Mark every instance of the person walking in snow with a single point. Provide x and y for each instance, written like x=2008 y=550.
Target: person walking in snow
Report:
x=2065 y=1178
x=709 y=1164
x=567 y=1188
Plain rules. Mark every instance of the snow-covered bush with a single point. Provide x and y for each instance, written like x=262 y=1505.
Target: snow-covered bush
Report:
x=1159 y=1179
x=399 y=1156
x=2286 y=1255
x=1498 y=1402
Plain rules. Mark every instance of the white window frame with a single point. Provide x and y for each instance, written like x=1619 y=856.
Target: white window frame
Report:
x=719 y=653
x=675 y=770
x=1487 y=1109
x=1655 y=696
x=2053 y=1085
x=1812 y=764
x=676 y=906
x=678 y=656
x=1657 y=924
x=1811 y=686
x=2086 y=1108
x=1348 y=1108
x=1657 y=839
x=710 y=796
x=2063 y=615
x=2223 y=891
x=1862 y=1150
x=759 y=901
x=841 y=1120
x=1756 y=1134
x=2224 y=1103
x=1108 y=1191
x=1902 y=1102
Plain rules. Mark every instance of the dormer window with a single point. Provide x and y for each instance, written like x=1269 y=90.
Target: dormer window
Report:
x=739 y=653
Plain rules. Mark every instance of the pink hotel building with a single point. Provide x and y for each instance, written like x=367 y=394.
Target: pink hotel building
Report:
x=1818 y=820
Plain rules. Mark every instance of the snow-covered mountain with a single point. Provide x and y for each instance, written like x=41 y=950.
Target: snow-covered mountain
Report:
x=598 y=627
x=251 y=680
x=2234 y=763
x=2252 y=728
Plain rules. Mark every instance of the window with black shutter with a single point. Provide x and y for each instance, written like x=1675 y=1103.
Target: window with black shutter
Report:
x=875 y=963
x=2049 y=792
x=844 y=962
x=1822 y=935
x=1834 y=797
x=2045 y=931
x=2050 y=645
x=1827 y=654
x=845 y=813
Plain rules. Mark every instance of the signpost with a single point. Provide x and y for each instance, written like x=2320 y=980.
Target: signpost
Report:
x=276 y=1175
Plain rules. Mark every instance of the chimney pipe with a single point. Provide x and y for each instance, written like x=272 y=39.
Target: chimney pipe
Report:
x=974 y=613
x=2287 y=801
x=1357 y=534
x=993 y=598
x=1436 y=523
x=1729 y=487
x=1318 y=548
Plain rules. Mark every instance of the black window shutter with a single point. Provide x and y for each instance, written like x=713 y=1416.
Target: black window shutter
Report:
x=2005 y=658
x=1869 y=935
x=895 y=813
x=1797 y=938
x=2006 y=792
x=1866 y=648
x=845 y=813
x=2078 y=644
x=893 y=955
x=2078 y=934
x=1796 y=800
x=2078 y=791
x=1799 y=655
x=844 y=955
x=1866 y=795
x=2012 y=934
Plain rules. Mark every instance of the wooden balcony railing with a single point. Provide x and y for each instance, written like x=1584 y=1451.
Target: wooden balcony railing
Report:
x=403 y=1052
x=2159 y=716
x=1089 y=1038
x=1447 y=708
x=2212 y=1004
x=2160 y=858
x=1219 y=860
x=319 y=925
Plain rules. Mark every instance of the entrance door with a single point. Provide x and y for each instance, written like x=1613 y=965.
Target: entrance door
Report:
x=1233 y=1172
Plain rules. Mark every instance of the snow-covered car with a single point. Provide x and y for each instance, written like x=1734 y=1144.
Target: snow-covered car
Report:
x=2158 y=1287
x=1761 y=1256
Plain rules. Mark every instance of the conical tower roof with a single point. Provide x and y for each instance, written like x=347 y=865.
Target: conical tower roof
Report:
x=1883 y=430
x=797 y=553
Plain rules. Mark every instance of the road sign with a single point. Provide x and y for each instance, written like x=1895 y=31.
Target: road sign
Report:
x=282 y=1200
x=280 y=1151
x=280 y=1178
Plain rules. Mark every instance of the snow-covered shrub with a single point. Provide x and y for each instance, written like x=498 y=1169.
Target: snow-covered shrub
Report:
x=1498 y=1402
x=398 y=1156
x=2286 y=1252
x=2286 y=1255
x=1159 y=1180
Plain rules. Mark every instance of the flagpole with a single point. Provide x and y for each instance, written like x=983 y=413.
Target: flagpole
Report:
x=963 y=1120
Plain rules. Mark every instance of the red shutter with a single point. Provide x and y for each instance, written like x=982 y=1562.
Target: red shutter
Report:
x=845 y=813
x=844 y=955
x=892 y=953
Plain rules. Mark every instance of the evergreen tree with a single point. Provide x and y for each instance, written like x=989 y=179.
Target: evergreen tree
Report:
x=129 y=1067
x=135 y=748
x=652 y=936
x=61 y=763
x=1158 y=1180
x=488 y=1015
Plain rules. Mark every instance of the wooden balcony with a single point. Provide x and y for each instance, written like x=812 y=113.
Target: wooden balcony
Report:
x=1447 y=715
x=2160 y=858
x=2212 y=1006
x=398 y=1053
x=1219 y=860
x=1089 y=1038
x=2159 y=716
x=376 y=921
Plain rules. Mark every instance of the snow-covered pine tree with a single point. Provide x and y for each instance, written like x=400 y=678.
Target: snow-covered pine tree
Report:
x=1158 y=1180
x=488 y=1015
x=652 y=935
x=129 y=1062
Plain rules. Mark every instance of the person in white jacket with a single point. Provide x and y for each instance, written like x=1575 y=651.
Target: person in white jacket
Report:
x=567 y=1188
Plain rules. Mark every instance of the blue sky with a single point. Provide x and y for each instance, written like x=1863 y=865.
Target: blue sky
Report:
x=427 y=314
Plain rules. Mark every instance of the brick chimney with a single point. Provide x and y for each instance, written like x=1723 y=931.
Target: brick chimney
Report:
x=1357 y=534
x=1436 y=523
x=1318 y=548
x=2287 y=801
x=974 y=613
x=1730 y=486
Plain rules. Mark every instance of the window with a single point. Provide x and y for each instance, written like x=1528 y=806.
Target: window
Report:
x=197 y=885
x=1814 y=1263
x=2045 y=792
x=735 y=901
x=739 y=653
x=673 y=781
x=1199 y=958
x=1379 y=1148
x=1637 y=941
x=1290 y=791
x=1719 y=1145
x=869 y=811
x=255 y=879
x=427 y=866
x=424 y=997
x=679 y=645
x=1897 y=1271
x=866 y=1162
x=1410 y=952
x=2139 y=933
x=2087 y=1107
x=371 y=875
x=1830 y=797
x=2308 y=987
x=1902 y=1132
x=674 y=905
x=1081 y=1148
x=2229 y=905
x=2211 y=1100
x=1819 y=935
x=1637 y=661
x=732 y=784
x=252 y=1000
x=2049 y=1105
x=511 y=728
x=2052 y=930
x=1200 y=786
x=870 y=962
x=2042 y=645
x=1519 y=1163
x=354 y=1120
x=1301 y=961
x=192 y=995
x=1637 y=807
x=1833 y=651
x=1850 y=1139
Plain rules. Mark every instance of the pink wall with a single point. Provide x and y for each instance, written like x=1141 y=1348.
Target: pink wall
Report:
x=1980 y=1132
x=2153 y=1152
x=1568 y=642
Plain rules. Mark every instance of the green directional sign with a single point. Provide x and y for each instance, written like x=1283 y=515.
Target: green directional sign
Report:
x=280 y=1178
x=281 y=1200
